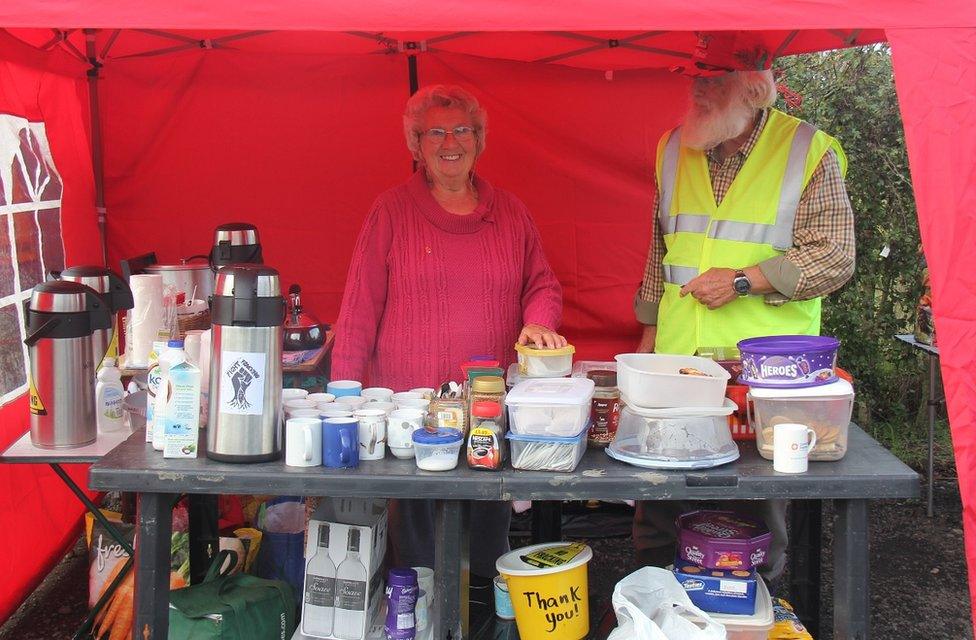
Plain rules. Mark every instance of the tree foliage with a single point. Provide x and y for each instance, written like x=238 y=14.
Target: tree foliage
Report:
x=850 y=94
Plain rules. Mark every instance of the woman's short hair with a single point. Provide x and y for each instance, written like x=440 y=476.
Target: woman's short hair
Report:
x=440 y=95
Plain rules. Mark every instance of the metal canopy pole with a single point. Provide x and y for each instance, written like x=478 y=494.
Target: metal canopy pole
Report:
x=96 y=142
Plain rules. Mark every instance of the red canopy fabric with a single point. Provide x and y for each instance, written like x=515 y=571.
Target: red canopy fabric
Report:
x=38 y=514
x=286 y=114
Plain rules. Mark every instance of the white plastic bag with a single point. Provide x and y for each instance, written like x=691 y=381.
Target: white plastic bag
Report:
x=649 y=603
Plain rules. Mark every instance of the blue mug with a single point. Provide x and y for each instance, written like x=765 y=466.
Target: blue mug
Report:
x=340 y=388
x=340 y=442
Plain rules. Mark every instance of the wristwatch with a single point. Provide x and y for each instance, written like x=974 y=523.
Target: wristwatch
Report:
x=741 y=283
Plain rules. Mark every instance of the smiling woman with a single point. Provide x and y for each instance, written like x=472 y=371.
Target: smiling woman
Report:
x=446 y=266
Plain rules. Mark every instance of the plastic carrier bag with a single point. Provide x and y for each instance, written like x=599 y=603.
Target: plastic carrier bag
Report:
x=652 y=605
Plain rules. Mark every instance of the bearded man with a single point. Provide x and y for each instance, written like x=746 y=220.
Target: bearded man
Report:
x=752 y=226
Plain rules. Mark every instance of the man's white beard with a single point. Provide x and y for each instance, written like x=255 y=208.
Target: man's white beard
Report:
x=707 y=125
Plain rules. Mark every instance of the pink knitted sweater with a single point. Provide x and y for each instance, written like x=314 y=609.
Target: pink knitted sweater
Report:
x=428 y=289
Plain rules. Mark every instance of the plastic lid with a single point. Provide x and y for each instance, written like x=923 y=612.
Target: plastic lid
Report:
x=486 y=409
x=775 y=345
x=512 y=563
x=444 y=435
x=488 y=384
x=726 y=409
x=549 y=391
x=533 y=351
x=839 y=388
x=402 y=577
x=603 y=377
x=175 y=344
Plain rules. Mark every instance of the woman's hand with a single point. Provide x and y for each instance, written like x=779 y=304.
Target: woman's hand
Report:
x=541 y=337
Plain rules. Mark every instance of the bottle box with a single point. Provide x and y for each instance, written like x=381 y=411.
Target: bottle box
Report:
x=357 y=546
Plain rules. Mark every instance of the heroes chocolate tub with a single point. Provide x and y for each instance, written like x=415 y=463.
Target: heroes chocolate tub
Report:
x=788 y=361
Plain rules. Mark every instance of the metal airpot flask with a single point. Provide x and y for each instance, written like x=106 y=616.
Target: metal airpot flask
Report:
x=248 y=312
x=61 y=318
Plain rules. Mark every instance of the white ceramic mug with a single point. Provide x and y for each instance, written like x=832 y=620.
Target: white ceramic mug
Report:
x=297 y=403
x=427 y=392
x=387 y=407
x=399 y=431
x=338 y=412
x=414 y=403
x=319 y=398
x=293 y=394
x=302 y=413
x=792 y=444
x=377 y=394
x=372 y=433
x=303 y=442
x=404 y=395
x=351 y=402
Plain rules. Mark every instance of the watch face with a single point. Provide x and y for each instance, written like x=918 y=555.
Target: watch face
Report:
x=741 y=285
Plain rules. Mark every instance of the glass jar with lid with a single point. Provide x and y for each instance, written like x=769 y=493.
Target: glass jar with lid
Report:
x=488 y=389
x=605 y=410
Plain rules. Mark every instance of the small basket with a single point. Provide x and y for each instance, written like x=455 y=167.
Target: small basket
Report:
x=193 y=321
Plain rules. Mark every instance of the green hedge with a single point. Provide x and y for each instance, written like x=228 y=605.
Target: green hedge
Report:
x=850 y=94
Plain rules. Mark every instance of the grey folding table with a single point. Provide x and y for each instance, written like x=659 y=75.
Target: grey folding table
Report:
x=867 y=472
x=933 y=404
x=23 y=451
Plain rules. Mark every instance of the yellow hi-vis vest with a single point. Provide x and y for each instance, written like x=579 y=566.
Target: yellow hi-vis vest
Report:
x=753 y=223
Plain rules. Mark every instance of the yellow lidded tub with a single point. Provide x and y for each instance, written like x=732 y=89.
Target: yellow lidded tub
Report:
x=548 y=587
x=544 y=363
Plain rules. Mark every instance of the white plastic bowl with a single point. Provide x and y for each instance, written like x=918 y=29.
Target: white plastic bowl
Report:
x=653 y=381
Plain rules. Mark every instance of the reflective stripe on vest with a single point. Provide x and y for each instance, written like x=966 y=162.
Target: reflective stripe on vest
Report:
x=673 y=274
x=778 y=235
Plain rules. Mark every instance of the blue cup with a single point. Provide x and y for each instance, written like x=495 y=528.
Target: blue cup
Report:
x=340 y=388
x=340 y=442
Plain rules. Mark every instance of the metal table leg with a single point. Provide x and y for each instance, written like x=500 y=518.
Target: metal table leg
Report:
x=155 y=524
x=451 y=568
x=204 y=534
x=932 y=404
x=806 y=527
x=852 y=600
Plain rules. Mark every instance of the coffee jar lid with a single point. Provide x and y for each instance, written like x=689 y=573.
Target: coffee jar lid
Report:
x=603 y=377
x=488 y=384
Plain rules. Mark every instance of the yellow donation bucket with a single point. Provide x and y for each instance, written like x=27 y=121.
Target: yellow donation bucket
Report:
x=548 y=586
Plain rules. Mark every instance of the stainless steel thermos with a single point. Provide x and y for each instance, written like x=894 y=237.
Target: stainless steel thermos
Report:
x=61 y=317
x=247 y=311
x=116 y=294
x=235 y=243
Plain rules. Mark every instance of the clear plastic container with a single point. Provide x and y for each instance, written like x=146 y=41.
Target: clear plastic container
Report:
x=545 y=363
x=754 y=627
x=541 y=453
x=686 y=438
x=550 y=406
x=654 y=380
x=582 y=367
x=825 y=409
x=437 y=450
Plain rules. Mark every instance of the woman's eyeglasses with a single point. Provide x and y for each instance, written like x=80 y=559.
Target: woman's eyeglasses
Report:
x=462 y=133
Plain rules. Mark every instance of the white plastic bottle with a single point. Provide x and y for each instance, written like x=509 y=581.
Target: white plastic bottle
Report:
x=108 y=397
x=318 y=611
x=174 y=354
x=351 y=581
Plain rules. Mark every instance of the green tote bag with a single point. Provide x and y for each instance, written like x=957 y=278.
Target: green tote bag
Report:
x=232 y=607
